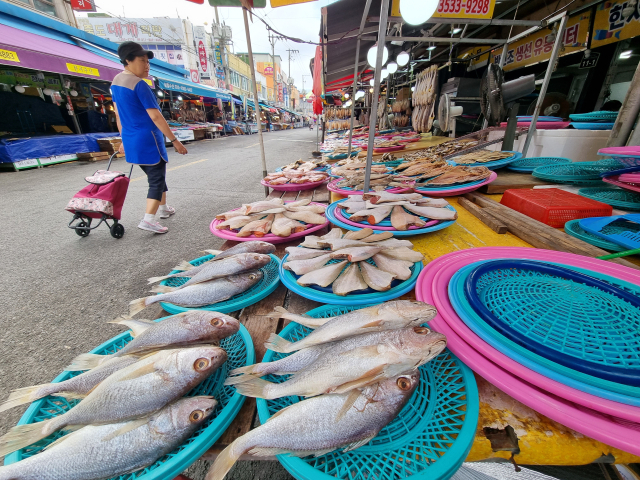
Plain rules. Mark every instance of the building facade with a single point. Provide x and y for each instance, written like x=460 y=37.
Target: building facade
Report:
x=265 y=66
x=59 y=9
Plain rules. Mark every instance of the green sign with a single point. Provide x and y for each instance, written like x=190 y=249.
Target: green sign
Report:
x=53 y=83
x=28 y=80
x=236 y=3
x=6 y=76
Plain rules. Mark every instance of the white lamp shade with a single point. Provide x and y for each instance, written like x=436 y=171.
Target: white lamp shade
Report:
x=346 y=95
x=47 y=91
x=402 y=58
x=371 y=82
x=385 y=73
x=75 y=94
x=160 y=93
x=417 y=12
x=359 y=94
x=392 y=67
x=373 y=51
x=19 y=89
x=413 y=89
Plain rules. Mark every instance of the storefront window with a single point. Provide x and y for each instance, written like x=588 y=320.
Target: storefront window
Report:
x=44 y=6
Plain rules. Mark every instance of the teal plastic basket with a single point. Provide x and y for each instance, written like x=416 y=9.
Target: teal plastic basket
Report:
x=601 y=116
x=575 y=172
x=531 y=163
x=574 y=229
x=615 y=197
x=262 y=289
x=429 y=439
x=239 y=348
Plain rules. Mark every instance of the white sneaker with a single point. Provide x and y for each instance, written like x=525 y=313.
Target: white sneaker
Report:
x=166 y=212
x=152 y=227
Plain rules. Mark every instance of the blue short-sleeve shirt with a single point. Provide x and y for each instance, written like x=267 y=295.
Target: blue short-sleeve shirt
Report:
x=143 y=141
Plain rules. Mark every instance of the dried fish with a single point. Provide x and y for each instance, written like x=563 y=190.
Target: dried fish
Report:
x=349 y=281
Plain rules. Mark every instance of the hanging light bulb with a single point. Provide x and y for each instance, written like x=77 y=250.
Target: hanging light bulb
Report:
x=413 y=89
x=385 y=73
x=372 y=54
x=160 y=93
x=371 y=82
x=371 y=90
x=431 y=47
x=179 y=97
x=47 y=91
x=392 y=67
x=359 y=94
x=416 y=12
x=346 y=95
x=19 y=88
x=402 y=58
x=73 y=93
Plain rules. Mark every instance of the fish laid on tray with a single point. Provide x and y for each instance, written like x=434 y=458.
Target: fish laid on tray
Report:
x=272 y=216
x=347 y=263
x=303 y=167
x=481 y=156
x=288 y=177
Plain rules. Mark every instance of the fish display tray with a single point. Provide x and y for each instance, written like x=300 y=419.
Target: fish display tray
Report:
x=601 y=116
x=430 y=437
x=629 y=156
x=527 y=302
x=325 y=295
x=592 y=126
x=553 y=206
x=342 y=156
x=317 y=169
x=459 y=190
x=389 y=149
x=239 y=348
x=574 y=171
x=385 y=225
x=574 y=229
x=531 y=163
x=335 y=216
x=333 y=187
x=493 y=164
x=270 y=237
x=596 y=413
x=262 y=289
x=294 y=187
x=613 y=196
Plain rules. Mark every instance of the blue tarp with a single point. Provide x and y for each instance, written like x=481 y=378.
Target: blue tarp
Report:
x=239 y=102
x=12 y=151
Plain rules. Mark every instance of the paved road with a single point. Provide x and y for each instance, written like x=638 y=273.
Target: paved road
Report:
x=59 y=290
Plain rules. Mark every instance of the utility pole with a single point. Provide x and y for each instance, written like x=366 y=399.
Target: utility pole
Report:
x=273 y=39
x=290 y=52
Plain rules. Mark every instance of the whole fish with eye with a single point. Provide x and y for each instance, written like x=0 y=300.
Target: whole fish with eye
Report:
x=340 y=370
x=101 y=451
x=200 y=294
x=386 y=316
x=131 y=393
x=182 y=330
x=233 y=265
x=319 y=425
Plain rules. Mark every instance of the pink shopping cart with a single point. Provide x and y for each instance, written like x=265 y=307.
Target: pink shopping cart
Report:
x=102 y=199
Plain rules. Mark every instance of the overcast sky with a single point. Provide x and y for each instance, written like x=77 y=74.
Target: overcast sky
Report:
x=299 y=21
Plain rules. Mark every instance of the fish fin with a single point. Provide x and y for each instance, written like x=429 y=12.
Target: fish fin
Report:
x=223 y=463
x=21 y=396
x=22 y=436
x=368 y=378
x=183 y=266
x=278 y=312
x=71 y=395
x=162 y=289
x=277 y=344
x=375 y=323
x=86 y=361
x=127 y=427
x=213 y=252
x=137 y=305
x=136 y=326
x=239 y=379
x=156 y=279
x=253 y=387
x=248 y=370
x=348 y=403
x=139 y=372
x=354 y=445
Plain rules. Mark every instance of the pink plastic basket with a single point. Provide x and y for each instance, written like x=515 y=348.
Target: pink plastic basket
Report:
x=455 y=191
x=294 y=187
x=628 y=156
x=627 y=186
x=230 y=235
x=389 y=149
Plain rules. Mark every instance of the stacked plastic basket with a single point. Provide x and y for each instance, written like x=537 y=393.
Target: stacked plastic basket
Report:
x=593 y=121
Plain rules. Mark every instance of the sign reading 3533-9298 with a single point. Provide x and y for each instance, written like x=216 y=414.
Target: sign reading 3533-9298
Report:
x=457 y=9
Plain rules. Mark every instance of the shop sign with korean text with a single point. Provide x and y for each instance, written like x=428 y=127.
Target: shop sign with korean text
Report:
x=7 y=77
x=28 y=79
x=612 y=23
x=83 y=5
x=458 y=9
x=200 y=39
x=141 y=30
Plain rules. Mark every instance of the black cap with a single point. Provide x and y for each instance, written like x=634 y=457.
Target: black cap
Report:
x=127 y=49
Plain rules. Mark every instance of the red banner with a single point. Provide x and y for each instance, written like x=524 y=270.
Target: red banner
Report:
x=83 y=5
x=317 y=81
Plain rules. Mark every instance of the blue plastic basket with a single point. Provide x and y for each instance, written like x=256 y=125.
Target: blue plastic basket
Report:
x=530 y=163
x=623 y=230
x=256 y=293
x=600 y=116
x=562 y=315
x=329 y=213
x=592 y=126
x=430 y=438
x=574 y=378
x=491 y=165
x=613 y=173
x=341 y=156
x=573 y=228
x=615 y=197
x=364 y=297
x=570 y=377
x=239 y=348
x=541 y=118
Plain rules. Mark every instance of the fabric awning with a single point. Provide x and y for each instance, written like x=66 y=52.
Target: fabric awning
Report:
x=237 y=100
x=183 y=85
x=28 y=50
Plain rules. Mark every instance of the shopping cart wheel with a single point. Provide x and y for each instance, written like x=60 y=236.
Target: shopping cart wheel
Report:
x=80 y=229
x=117 y=230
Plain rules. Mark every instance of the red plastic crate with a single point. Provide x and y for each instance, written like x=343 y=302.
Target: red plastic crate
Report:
x=553 y=206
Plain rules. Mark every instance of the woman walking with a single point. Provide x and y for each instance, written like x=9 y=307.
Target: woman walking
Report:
x=143 y=129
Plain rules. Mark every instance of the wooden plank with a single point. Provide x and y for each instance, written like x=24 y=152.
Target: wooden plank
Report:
x=298 y=304
x=275 y=194
x=321 y=194
x=290 y=196
x=306 y=194
x=507 y=180
x=486 y=218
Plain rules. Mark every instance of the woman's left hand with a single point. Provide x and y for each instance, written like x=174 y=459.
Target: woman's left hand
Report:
x=179 y=147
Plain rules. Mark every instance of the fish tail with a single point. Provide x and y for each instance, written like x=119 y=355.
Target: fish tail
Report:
x=162 y=289
x=213 y=252
x=21 y=396
x=227 y=458
x=156 y=279
x=278 y=312
x=248 y=370
x=277 y=344
x=86 y=361
x=253 y=387
x=183 y=266
x=137 y=306
x=23 y=436
x=239 y=379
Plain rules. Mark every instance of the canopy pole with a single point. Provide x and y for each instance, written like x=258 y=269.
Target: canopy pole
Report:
x=545 y=83
x=355 y=72
x=74 y=117
x=373 y=119
x=255 y=97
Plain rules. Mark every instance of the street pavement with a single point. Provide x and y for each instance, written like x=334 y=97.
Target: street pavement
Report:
x=59 y=290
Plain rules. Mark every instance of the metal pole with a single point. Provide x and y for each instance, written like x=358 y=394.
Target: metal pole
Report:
x=355 y=73
x=255 y=97
x=627 y=115
x=75 y=119
x=273 y=59
x=545 y=84
x=505 y=49
x=382 y=28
